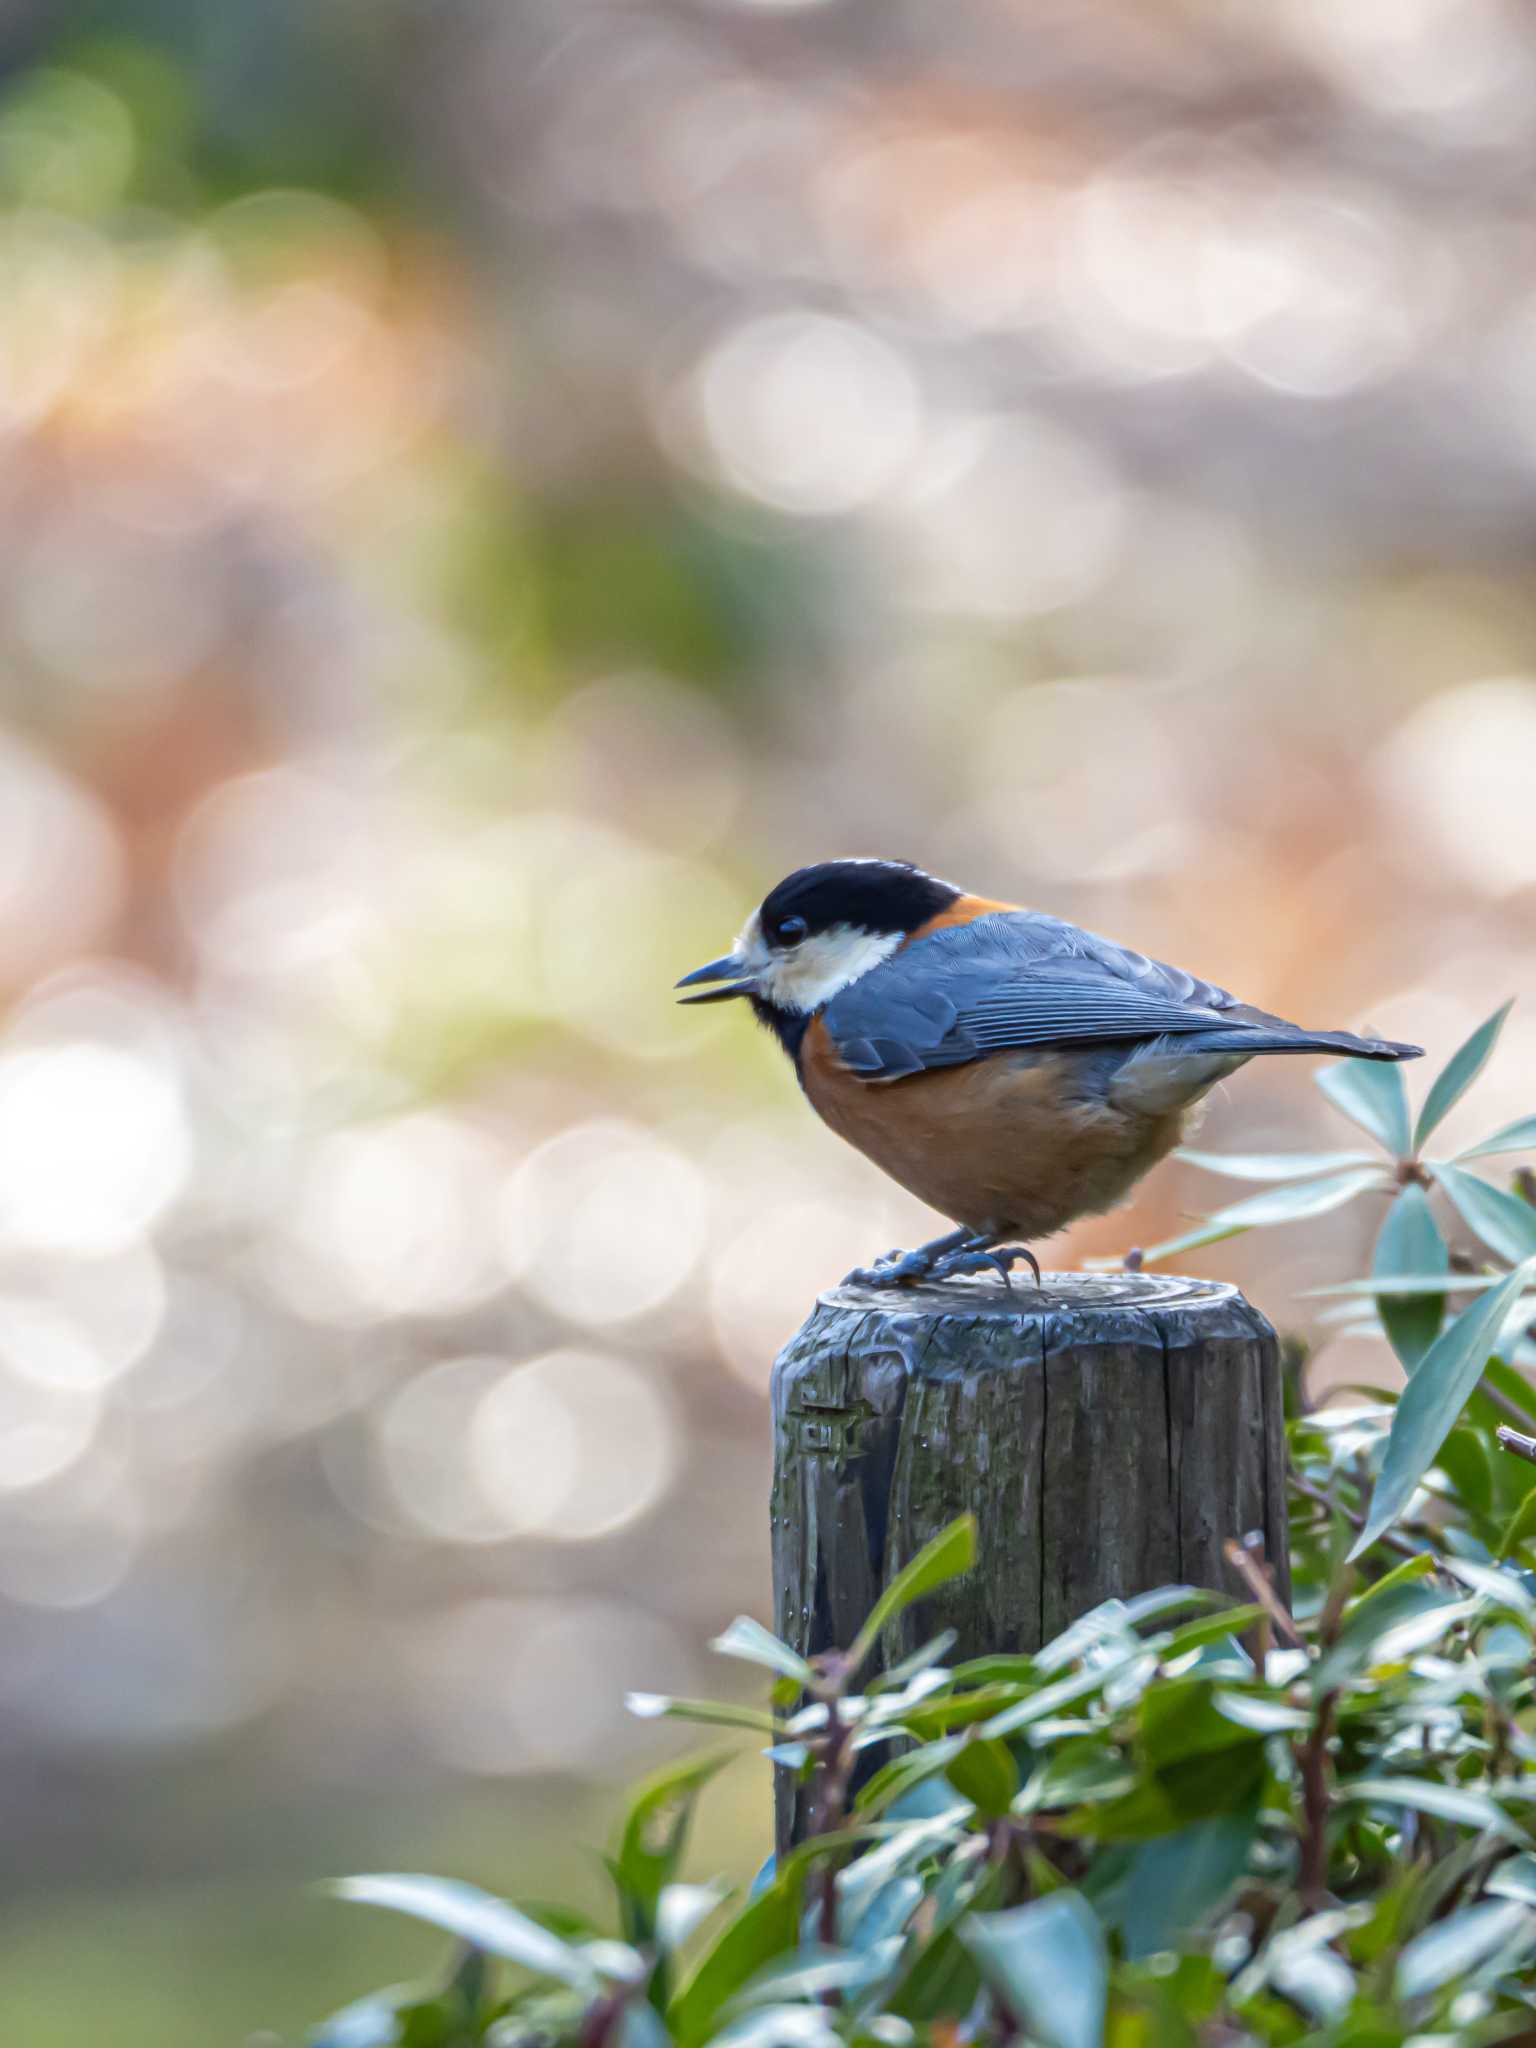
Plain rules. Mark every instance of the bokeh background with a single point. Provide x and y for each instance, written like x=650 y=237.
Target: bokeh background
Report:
x=486 y=487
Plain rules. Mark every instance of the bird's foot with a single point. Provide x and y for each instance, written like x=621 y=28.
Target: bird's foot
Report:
x=896 y=1269
x=945 y=1259
x=906 y=1269
x=997 y=1259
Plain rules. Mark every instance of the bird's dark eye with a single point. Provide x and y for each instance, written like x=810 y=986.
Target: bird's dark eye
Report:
x=791 y=930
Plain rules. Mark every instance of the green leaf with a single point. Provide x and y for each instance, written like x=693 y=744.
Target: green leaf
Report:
x=1179 y=1721
x=1521 y=1526
x=1199 y=1787
x=1287 y=1204
x=437 y=2021
x=778 y=2026
x=1499 y=1219
x=1272 y=1165
x=1211 y=1628
x=1463 y=1458
x=1165 y=1600
x=651 y=1845
x=1515 y=1878
x=1078 y=1773
x=1458 y=1074
x=475 y=1916
x=1402 y=1285
x=468 y=1984
x=1261 y=1712
x=950 y=1553
x=1434 y=1398
x=658 y=1706
x=681 y=1911
x=811 y=1972
x=1456 y=1946
x=887 y=1913
x=1371 y=1093
x=1513 y=1385
x=897 y=1777
x=1375 y=1620
x=1459 y=1803
x=943 y=1978
x=1497 y=1588
x=986 y=1774
x=922 y=1659
x=1048 y=1964
x=371 y=2022
x=1520 y=1136
x=754 y=1644
x=1300 y=1199
x=639 y=2027
x=1316 y=1979
x=1171 y=1247
x=1409 y=1572
x=562 y=1920
x=928 y=1718
x=1064 y=1692
x=1410 y=1242
x=764 y=1928
x=1112 y=1620
x=1178 y=1881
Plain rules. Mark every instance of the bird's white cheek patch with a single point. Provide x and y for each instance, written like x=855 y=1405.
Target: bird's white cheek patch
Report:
x=821 y=967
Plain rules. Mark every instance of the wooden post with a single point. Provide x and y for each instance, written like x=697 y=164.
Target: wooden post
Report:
x=1110 y=1431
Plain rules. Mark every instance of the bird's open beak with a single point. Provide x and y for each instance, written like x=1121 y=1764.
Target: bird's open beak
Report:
x=723 y=969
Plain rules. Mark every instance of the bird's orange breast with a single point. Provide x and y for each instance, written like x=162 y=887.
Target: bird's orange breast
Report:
x=1014 y=1143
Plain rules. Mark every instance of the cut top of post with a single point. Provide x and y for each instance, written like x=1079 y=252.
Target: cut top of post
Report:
x=1057 y=1294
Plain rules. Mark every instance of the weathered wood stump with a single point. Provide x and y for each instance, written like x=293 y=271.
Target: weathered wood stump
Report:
x=1110 y=1431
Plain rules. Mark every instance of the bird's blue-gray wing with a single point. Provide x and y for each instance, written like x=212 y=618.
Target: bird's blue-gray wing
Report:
x=1010 y=980
x=1016 y=980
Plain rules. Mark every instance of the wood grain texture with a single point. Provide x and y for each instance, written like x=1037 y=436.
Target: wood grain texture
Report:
x=1110 y=1431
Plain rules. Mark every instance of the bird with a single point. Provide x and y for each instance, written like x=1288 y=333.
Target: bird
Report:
x=1010 y=1069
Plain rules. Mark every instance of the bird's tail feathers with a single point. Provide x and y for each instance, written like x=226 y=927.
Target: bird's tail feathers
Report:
x=1344 y=1044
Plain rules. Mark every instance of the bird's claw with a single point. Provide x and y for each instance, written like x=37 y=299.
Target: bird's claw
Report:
x=896 y=1269
x=999 y=1259
x=908 y=1269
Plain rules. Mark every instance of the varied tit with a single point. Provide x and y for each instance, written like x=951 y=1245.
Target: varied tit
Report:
x=1012 y=1071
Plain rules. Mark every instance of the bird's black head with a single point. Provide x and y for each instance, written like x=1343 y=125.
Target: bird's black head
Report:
x=873 y=896
x=820 y=930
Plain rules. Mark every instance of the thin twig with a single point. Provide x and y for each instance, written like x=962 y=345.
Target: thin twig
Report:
x=1256 y=1578
x=1313 y=1759
x=1356 y=1520
x=1501 y=1402
x=1516 y=1441
x=602 y=2016
x=831 y=1798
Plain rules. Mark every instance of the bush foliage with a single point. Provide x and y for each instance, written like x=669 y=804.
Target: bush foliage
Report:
x=1184 y=1821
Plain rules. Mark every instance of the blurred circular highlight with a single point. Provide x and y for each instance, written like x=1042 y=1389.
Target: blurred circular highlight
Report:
x=809 y=413
x=1460 y=768
x=603 y=1223
x=95 y=1146
x=395 y=1218
x=567 y=1447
